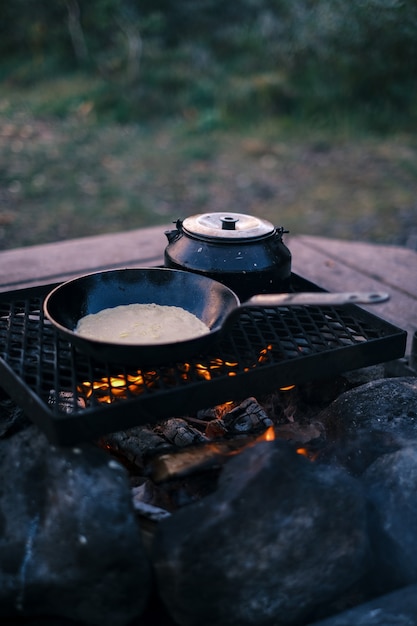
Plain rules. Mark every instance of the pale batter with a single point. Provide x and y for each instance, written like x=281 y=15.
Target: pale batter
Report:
x=142 y=324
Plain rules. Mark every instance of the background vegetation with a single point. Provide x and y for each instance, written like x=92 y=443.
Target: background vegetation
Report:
x=121 y=113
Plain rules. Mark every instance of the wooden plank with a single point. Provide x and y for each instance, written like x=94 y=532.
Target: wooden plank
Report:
x=392 y=265
x=36 y=265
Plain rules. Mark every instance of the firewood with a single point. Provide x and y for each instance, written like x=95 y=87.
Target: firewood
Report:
x=195 y=459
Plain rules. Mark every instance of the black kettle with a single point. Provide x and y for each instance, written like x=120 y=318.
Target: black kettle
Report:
x=245 y=253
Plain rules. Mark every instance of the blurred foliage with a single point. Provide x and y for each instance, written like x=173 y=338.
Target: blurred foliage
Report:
x=217 y=60
x=65 y=178
x=259 y=107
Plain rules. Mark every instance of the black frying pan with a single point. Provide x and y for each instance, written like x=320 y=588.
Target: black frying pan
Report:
x=209 y=300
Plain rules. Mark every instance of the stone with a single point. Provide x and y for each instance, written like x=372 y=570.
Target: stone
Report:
x=12 y=418
x=70 y=545
x=364 y=423
x=391 y=487
x=398 y=608
x=280 y=537
x=388 y=405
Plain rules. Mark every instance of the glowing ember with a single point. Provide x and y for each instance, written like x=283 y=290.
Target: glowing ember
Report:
x=206 y=372
x=107 y=389
x=309 y=454
x=268 y=435
x=110 y=388
x=265 y=354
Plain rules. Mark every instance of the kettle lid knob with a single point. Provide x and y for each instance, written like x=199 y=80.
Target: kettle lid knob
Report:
x=229 y=222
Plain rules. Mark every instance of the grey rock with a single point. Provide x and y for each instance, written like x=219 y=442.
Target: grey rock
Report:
x=398 y=608
x=388 y=404
x=70 y=545
x=391 y=485
x=269 y=546
x=371 y=420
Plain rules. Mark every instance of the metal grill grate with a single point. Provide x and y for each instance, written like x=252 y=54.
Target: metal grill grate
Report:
x=264 y=349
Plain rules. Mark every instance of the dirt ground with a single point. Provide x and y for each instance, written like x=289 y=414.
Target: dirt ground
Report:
x=61 y=179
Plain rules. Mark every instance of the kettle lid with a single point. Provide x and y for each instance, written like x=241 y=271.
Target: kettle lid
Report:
x=231 y=226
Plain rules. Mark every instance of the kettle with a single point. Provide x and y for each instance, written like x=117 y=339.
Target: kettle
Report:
x=245 y=253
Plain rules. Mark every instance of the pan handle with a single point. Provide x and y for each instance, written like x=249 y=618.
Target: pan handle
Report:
x=316 y=299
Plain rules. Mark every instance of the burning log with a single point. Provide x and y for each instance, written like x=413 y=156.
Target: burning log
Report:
x=180 y=433
x=180 y=447
x=138 y=444
x=213 y=455
x=192 y=460
x=247 y=417
x=135 y=445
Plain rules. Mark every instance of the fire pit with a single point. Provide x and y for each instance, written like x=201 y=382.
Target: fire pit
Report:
x=172 y=470
x=282 y=510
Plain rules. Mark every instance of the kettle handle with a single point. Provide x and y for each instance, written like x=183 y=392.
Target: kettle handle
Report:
x=173 y=235
x=279 y=231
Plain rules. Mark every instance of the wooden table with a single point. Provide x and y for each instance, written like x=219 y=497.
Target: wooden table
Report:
x=335 y=265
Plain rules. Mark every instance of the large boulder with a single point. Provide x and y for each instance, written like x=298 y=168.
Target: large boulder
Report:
x=398 y=608
x=385 y=405
x=367 y=422
x=280 y=537
x=391 y=485
x=70 y=545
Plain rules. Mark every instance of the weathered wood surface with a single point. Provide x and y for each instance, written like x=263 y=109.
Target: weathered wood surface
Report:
x=335 y=265
x=54 y=262
x=341 y=265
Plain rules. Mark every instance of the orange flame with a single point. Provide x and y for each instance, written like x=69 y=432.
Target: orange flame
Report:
x=309 y=454
x=269 y=434
x=108 y=389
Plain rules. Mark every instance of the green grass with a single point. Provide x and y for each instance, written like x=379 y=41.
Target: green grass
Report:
x=67 y=173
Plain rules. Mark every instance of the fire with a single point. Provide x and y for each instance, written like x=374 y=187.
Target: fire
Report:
x=206 y=372
x=268 y=435
x=107 y=389
x=309 y=454
x=264 y=354
x=110 y=388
